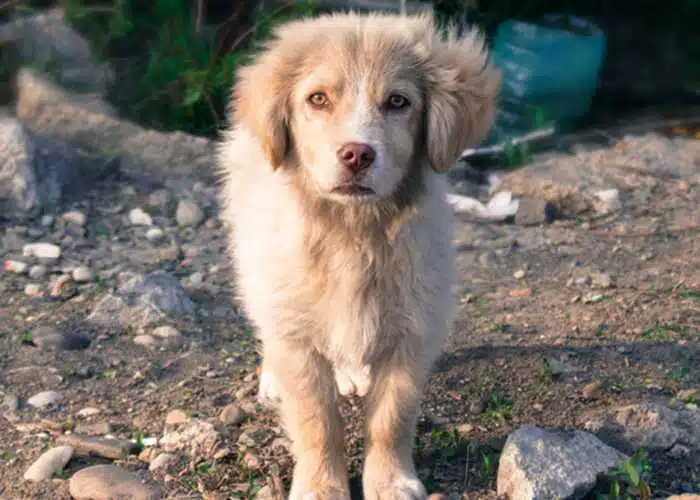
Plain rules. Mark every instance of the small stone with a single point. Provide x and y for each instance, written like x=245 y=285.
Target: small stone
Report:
x=94 y=428
x=602 y=280
x=251 y=461
x=436 y=496
x=48 y=463
x=145 y=340
x=106 y=482
x=592 y=298
x=166 y=332
x=42 y=251
x=88 y=412
x=281 y=445
x=48 y=337
x=139 y=217
x=519 y=274
x=33 y=290
x=160 y=199
x=521 y=292
x=38 y=272
x=82 y=274
x=11 y=402
x=607 y=201
x=16 y=266
x=592 y=390
x=155 y=234
x=536 y=463
x=188 y=213
x=175 y=417
x=231 y=415
x=679 y=451
x=464 y=429
x=74 y=217
x=47 y=221
x=196 y=278
x=45 y=399
x=199 y=439
x=534 y=211
x=162 y=462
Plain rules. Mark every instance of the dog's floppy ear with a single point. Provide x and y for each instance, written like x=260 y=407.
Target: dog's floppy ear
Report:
x=261 y=104
x=461 y=92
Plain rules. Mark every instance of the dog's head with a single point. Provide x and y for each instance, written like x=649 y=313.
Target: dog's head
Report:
x=354 y=103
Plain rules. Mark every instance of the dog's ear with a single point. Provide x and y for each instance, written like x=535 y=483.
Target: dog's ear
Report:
x=261 y=104
x=461 y=93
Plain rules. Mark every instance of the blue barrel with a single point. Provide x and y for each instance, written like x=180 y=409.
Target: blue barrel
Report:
x=549 y=72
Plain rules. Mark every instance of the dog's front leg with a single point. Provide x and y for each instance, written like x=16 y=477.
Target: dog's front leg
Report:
x=392 y=409
x=309 y=410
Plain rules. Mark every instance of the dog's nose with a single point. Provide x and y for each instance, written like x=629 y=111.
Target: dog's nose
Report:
x=356 y=156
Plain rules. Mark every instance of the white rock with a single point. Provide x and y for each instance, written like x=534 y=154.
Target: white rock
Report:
x=43 y=251
x=38 y=272
x=88 y=412
x=82 y=274
x=188 y=213
x=44 y=399
x=162 y=462
x=166 y=331
x=607 y=201
x=145 y=340
x=155 y=234
x=139 y=217
x=48 y=463
x=16 y=266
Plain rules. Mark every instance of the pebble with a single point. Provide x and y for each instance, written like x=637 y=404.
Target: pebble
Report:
x=592 y=390
x=188 y=213
x=48 y=463
x=42 y=251
x=232 y=414
x=145 y=340
x=592 y=298
x=159 y=198
x=534 y=211
x=607 y=201
x=44 y=399
x=196 y=278
x=16 y=266
x=38 y=272
x=155 y=234
x=32 y=290
x=11 y=402
x=106 y=482
x=251 y=461
x=521 y=292
x=48 y=337
x=82 y=274
x=519 y=274
x=139 y=217
x=166 y=332
x=88 y=411
x=176 y=417
x=47 y=221
x=74 y=217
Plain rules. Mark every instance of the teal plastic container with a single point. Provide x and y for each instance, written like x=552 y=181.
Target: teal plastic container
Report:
x=549 y=73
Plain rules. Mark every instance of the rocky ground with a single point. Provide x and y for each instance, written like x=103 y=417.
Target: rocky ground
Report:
x=126 y=368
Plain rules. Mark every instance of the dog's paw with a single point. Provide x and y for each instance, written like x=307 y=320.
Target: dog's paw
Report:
x=332 y=495
x=397 y=486
x=268 y=389
x=353 y=381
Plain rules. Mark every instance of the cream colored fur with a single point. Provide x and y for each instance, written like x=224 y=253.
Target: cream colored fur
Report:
x=350 y=294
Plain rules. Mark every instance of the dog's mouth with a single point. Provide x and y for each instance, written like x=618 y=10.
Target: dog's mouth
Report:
x=352 y=190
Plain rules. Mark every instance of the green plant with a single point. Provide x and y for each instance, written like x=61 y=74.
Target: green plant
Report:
x=631 y=478
x=27 y=337
x=499 y=407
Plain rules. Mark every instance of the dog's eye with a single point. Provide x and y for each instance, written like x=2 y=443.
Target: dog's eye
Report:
x=397 y=101
x=318 y=99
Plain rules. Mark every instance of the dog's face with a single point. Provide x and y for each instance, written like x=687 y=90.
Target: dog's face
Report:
x=351 y=104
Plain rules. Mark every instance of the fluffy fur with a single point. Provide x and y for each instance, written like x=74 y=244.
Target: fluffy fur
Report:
x=350 y=292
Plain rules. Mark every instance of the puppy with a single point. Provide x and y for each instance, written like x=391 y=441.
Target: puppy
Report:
x=333 y=187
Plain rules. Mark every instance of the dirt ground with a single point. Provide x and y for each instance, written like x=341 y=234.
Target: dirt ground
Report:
x=543 y=311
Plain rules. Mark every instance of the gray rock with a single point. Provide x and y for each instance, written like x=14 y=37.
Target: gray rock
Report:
x=651 y=426
x=602 y=280
x=188 y=213
x=145 y=340
x=166 y=332
x=109 y=482
x=232 y=414
x=533 y=211
x=48 y=337
x=45 y=39
x=48 y=463
x=45 y=399
x=162 y=462
x=11 y=402
x=143 y=300
x=38 y=272
x=539 y=465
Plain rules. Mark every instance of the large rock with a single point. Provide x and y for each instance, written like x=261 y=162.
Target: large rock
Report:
x=45 y=41
x=37 y=173
x=49 y=463
x=109 y=482
x=143 y=154
x=199 y=439
x=539 y=465
x=651 y=426
x=142 y=300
